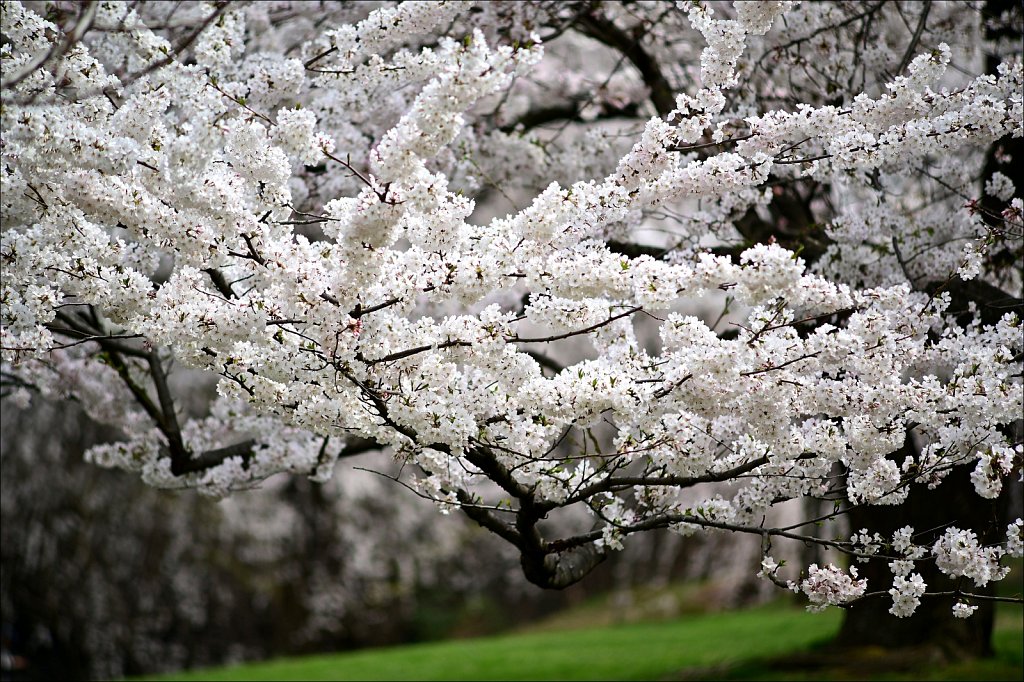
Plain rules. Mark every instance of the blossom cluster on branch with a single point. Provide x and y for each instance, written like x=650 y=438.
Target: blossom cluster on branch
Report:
x=297 y=204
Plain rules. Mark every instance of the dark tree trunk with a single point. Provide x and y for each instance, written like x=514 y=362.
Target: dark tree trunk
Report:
x=869 y=623
x=955 y=503
x=933 y=627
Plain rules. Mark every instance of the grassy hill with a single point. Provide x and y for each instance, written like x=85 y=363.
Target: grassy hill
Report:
x=773 y=642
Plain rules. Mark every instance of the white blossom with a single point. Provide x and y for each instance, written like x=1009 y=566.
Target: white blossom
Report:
x=1000 y=186
x=831 y=586
x=963 y=610
x=958 y=553
x=906 y=594
x=1014 y=540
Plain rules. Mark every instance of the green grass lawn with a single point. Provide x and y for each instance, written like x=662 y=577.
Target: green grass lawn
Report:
x=876 y=664
x=751 y=644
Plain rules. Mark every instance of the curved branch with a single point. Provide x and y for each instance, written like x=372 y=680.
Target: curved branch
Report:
x=605 y=31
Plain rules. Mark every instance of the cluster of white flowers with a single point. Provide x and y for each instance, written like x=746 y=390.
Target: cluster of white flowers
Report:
x=1015 y=539
x=563 y=314
x=867 y=544
x=769 y=567
x=993 y=466
x=757 y=17
x=223 y=42
x=906 y=593
x=725 y=42
x=963 y=610
x=307 y=218
x=829 y=586
x=296 y=134
x=973 y=257
x=959 y=554
x=1000 y=186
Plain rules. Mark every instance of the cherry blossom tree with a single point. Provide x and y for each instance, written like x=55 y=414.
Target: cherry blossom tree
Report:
x=564 y=262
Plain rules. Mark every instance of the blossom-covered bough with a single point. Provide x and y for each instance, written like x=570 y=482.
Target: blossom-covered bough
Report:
x=772 y=246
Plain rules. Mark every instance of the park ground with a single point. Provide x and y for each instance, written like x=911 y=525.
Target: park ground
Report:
x=603 y=640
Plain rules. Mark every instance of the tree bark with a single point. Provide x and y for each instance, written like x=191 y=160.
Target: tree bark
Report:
x=933 y=626
x=954 y=502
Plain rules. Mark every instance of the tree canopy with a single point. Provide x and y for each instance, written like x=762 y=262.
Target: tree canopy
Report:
x=586 y=269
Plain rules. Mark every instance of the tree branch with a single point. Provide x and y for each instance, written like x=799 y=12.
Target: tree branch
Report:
x=605 y=31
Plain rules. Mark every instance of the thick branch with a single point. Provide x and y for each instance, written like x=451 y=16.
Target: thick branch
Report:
x=169 y=424
x=484 y=459
x=212 y=458
x=559 y=570
x=577 y=332
x=621 y=482
x=909 y=53
x=605 y=31
x=486 y=519
x=247 y=449
x=221 y=282
x=570 y=111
